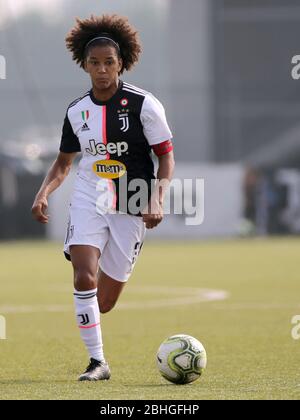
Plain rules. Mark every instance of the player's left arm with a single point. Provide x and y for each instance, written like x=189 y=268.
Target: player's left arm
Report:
x=154 y=214
x=157 y=131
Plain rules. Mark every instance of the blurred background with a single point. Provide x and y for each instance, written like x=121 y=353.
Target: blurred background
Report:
x=222 y=69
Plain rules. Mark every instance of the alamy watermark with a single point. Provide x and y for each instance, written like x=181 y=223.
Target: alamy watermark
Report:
x=181 y=197
x=296 y=68
x=2 y=328
x=296 y=329
x=2 y=67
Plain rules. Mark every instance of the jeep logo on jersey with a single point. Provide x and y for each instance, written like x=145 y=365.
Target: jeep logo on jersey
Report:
x=110 y=169
x=111 y=148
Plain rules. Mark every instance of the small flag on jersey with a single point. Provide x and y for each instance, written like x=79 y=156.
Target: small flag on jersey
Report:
x=85 y=115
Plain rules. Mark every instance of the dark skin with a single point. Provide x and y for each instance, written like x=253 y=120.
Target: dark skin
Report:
x=103 y=65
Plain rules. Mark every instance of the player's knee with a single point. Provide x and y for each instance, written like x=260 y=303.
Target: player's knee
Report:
x=106 y=306
x=84 y=280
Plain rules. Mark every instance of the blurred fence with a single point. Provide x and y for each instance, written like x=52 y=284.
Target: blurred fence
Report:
x=223 y=70
x=16 y=197
x=215 y=211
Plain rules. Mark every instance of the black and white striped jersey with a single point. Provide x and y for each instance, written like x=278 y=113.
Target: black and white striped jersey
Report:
x=115 y=138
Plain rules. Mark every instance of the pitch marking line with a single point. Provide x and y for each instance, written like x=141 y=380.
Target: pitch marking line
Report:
x=176 y=296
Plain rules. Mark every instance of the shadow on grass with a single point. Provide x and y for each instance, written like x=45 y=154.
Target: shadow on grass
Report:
x=174 y=386
x=35 y=381
x=76 y=382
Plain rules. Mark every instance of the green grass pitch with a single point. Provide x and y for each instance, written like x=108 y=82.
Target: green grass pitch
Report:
x=247 y=336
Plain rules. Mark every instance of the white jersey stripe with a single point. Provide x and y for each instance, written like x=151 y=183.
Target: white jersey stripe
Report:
x=127 y=85
x=133 y=91
x=75 y=102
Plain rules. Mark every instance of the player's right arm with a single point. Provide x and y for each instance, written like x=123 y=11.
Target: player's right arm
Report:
x=55 y=177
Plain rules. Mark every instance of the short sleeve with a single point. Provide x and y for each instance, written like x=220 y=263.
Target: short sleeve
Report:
x=153 y=119
x=69 y=141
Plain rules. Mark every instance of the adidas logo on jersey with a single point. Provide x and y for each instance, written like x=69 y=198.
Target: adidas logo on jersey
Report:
x=85 y=127
x=111 y=148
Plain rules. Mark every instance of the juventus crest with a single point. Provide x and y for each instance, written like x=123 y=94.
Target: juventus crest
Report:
x=124 y=119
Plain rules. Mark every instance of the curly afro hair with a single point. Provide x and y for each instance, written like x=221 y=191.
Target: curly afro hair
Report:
x=117 y=27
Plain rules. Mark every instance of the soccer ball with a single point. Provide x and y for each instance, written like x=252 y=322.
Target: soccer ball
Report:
x=181 y=359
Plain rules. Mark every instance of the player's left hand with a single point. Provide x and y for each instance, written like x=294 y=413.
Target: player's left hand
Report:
x=153 y=214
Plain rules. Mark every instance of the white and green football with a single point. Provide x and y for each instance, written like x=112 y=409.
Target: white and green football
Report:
x=181 y=359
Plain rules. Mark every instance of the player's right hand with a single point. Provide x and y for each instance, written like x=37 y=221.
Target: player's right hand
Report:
x=39 y=209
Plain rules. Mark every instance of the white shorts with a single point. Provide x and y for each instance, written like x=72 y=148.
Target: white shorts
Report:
x=119 y=237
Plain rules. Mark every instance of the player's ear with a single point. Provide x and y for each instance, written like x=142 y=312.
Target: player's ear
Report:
x=120 y=65
x=85 y=66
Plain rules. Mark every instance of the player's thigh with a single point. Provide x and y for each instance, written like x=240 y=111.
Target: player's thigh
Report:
x=109 y=291
x=85 y=260
x=121 y=252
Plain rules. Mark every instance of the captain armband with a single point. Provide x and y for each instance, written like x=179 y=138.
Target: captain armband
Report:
x=163 y=148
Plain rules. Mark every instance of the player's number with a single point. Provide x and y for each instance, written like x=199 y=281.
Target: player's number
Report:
x=136 y=251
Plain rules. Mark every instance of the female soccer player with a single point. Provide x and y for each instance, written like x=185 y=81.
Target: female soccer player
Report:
x=115 y=126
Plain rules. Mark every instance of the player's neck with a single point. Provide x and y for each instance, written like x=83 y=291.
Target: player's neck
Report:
x=106 y=94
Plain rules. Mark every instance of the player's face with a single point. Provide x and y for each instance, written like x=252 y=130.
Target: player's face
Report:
x=103 y=65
